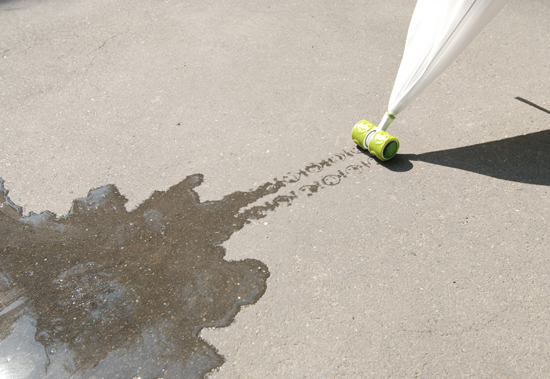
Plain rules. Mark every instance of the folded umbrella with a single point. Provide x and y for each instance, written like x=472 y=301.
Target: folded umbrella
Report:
x=439 y=31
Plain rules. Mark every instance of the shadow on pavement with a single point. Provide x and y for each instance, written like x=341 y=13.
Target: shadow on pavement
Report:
x=523 y=159
x=532 y=104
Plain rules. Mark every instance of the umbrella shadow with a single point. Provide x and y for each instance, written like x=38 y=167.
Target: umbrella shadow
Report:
x=523 y=159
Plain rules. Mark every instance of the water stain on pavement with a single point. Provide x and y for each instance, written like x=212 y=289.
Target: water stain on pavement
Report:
x=106 y=292
x=100 y=277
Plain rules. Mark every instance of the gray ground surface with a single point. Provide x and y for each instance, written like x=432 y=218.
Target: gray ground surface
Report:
x=435 y=265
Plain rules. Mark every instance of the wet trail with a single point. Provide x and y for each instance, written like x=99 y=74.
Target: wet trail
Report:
x=103 y=292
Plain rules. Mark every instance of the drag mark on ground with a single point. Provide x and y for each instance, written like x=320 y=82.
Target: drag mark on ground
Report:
x=360 y=163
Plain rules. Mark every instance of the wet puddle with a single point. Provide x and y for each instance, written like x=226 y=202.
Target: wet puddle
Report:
x=106 y=292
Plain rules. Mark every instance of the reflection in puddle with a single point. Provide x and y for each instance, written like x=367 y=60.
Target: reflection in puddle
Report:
x=106 y=293
x=103 y=292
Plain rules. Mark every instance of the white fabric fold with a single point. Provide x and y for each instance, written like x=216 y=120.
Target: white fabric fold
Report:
x=439 y=31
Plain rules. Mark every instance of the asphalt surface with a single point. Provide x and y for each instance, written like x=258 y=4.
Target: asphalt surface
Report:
x=433 y=265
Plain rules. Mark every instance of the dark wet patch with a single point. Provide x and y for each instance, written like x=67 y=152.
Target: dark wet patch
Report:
x=103 y=292
x=96 y=279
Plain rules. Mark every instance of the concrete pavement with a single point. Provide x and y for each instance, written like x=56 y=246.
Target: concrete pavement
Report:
x=433 y=265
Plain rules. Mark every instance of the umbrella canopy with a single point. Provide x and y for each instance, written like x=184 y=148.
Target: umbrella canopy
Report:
x=439 y=31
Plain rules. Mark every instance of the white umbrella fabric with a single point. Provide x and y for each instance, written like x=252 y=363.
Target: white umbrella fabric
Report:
x=439 y=31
